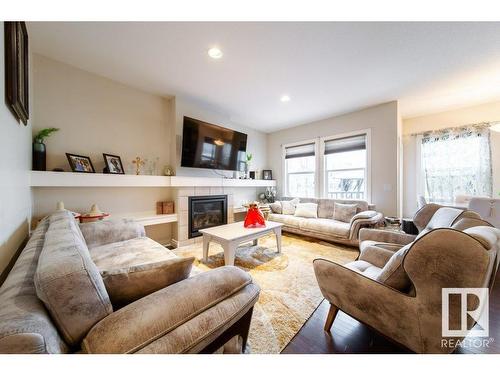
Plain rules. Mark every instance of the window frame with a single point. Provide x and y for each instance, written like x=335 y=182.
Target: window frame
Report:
x=324 y=182
x=320 y=174
x=284 y=190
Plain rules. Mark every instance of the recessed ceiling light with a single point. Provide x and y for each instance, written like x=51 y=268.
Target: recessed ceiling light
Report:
x=215 y=53
x=285 y=98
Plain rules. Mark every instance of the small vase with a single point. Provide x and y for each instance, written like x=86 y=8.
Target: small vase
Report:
x=39 y=156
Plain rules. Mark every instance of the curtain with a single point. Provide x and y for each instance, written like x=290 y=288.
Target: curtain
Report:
x=456 y=162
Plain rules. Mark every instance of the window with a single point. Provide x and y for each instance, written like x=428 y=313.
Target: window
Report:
x=456 y=162
x=345 y=161
x=300 y=170
x=329 y=167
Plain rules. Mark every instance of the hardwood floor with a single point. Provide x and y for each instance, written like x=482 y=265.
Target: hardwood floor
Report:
x=350 y=336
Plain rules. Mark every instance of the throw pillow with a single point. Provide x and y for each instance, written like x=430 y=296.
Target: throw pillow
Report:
x=344 y=212
x=68 y=282
x=276 y=207
x=288 y=207
x=126 y=285
x=309 y=210
x=393 y=273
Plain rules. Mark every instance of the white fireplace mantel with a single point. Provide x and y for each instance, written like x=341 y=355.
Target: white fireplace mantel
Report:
x=72 y=179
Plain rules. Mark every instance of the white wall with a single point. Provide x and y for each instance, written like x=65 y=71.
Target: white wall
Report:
x=464 y=116
x=256 y=143
x=97 y=115
x=15 y=163
x=383 y=122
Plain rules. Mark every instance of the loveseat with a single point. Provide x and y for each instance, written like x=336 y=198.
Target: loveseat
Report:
x=95 y=288
x=324 y=226
x=397 y=288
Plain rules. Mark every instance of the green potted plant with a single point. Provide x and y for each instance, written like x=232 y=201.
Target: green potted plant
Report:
x=39 y=149
x=248 y=161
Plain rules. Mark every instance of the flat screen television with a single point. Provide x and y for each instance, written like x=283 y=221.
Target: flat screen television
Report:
x=211 y=146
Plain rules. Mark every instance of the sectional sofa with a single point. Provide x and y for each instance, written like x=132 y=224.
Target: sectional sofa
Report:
x=106 y=288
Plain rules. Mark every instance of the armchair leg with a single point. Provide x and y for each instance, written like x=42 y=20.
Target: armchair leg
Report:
x=332 y=313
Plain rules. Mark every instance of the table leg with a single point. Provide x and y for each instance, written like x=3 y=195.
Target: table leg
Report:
x=229 y=253
x=206 y=242
x=277 y=232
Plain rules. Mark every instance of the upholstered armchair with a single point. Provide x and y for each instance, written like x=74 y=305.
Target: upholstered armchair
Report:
x=429 y=217
x=401 y=296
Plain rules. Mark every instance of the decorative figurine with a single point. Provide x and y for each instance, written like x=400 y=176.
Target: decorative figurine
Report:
x=138 y=164
x=167 y=171
x=254 y=218
x=95 y=214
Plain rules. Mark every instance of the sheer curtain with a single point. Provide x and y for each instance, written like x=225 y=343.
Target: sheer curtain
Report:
x=456 y=161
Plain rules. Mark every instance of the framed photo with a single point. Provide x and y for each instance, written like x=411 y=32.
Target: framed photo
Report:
x=80 y=163
x=267 y=174
x=16 y=69
x=113 y=164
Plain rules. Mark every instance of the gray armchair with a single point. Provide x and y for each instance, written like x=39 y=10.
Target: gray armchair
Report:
x=430 y=216
x=401 y=296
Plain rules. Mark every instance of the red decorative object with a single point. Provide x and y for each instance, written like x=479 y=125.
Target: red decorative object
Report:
x=254 y=218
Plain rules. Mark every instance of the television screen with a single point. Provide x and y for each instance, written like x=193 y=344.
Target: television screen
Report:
x=210 y=146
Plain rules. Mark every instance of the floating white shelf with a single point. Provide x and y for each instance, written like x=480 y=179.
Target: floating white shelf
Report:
x=147 y=218
x=71 y=179
x=184 y=181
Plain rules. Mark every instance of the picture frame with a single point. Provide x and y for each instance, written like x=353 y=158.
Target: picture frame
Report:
x=80 y=164
x=113 y=164
x=17 y=69
x=267 y=174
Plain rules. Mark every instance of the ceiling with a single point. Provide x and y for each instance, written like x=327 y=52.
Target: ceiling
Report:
x=326 y=68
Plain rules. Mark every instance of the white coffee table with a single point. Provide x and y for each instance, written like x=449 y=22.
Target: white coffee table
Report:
x=229 y=236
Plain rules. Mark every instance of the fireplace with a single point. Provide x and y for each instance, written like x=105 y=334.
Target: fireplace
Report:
x=205 y=212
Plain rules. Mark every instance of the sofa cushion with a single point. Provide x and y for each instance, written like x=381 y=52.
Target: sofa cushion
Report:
x=68 y=282
x=199 y=315
x=135 y=268
x=344 y=212
x=377 y=253
x=326 y=226
x=326 y=205
x=444 y=217
x=289 y=220
x=485 y=235
x=276 y=207
x=467 y=222
x=108 y=231
x=365 y=268
x=309 y=210
x=25 y=324
x=288 y=207
x=393 y=273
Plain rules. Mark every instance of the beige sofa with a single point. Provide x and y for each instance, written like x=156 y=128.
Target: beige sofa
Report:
x=63 y=295
x=398 y=290
x=324 y=226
